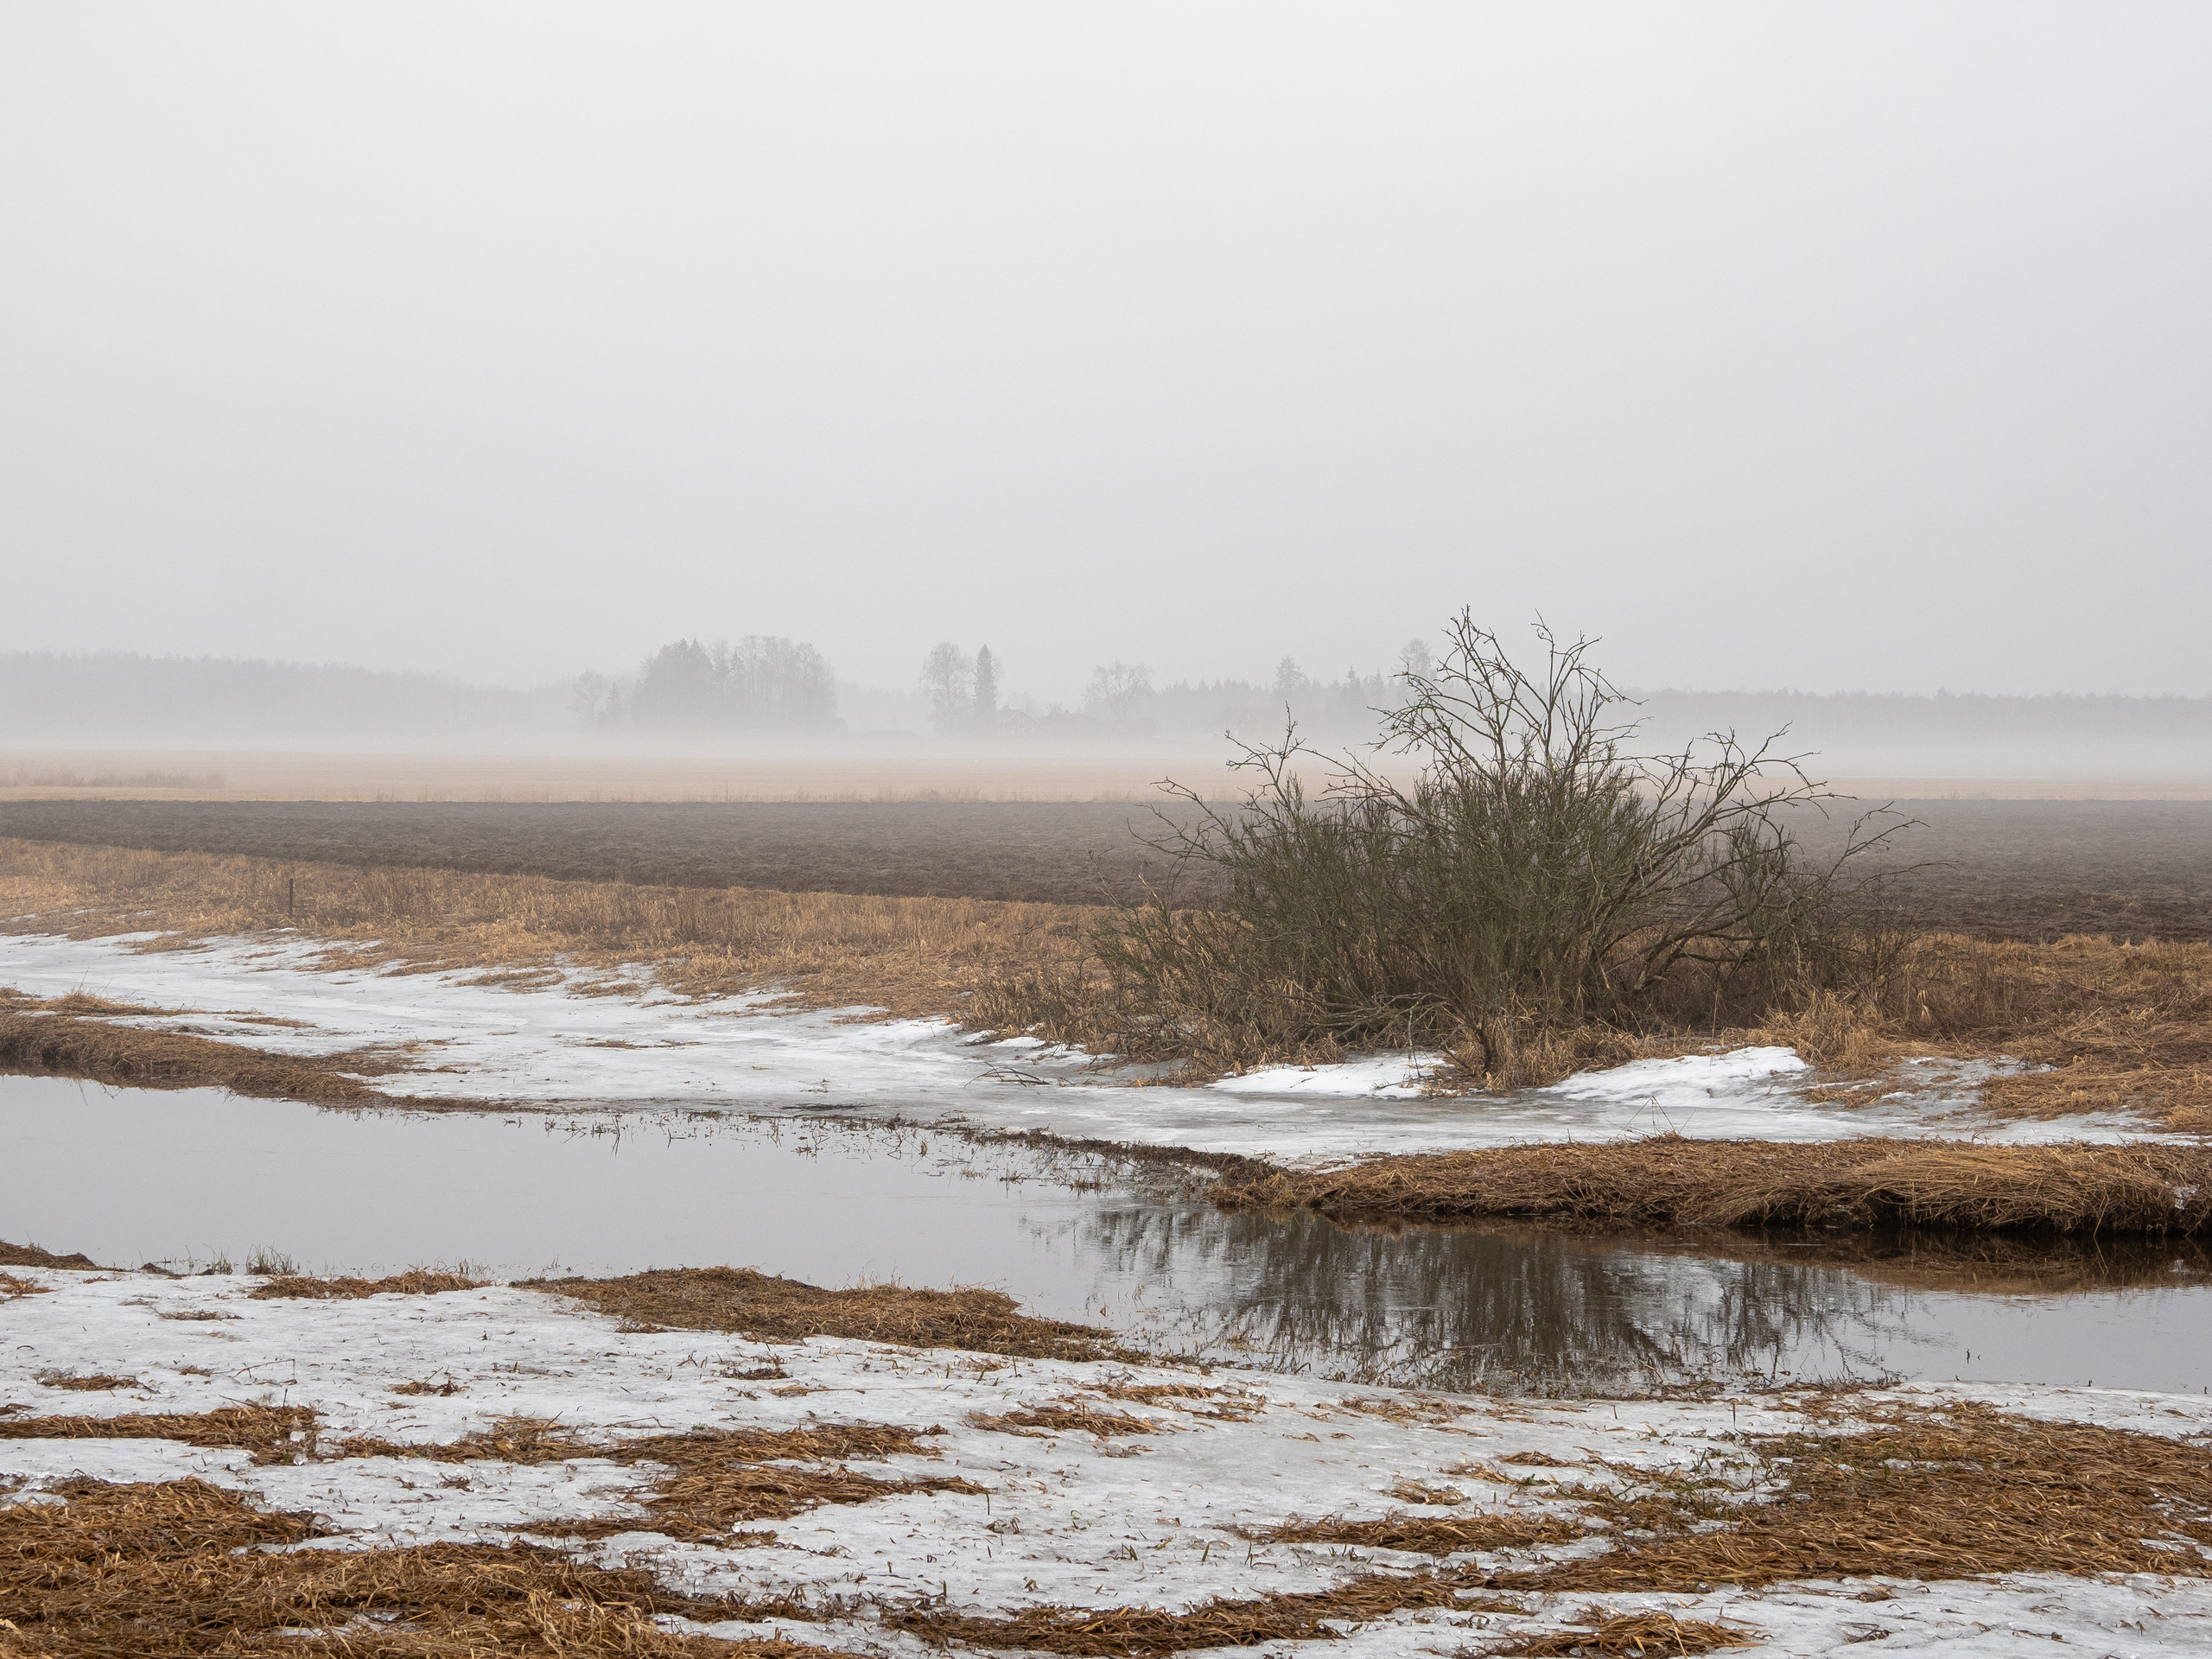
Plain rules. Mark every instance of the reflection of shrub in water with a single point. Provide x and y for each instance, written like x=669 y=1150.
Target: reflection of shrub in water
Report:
x=1461 y=1308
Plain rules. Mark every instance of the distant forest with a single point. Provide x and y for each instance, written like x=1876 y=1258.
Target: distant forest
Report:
x=759 y=684
x=692 y=696
x=95 y=698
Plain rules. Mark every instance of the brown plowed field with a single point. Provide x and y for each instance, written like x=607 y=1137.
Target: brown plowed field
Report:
x=2023 y=869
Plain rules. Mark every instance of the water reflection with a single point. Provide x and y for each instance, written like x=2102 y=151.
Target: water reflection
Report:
x=1507 y=1307
x=179 y=1177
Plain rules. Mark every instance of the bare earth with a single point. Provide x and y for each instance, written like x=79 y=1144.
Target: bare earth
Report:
x=1997 y=868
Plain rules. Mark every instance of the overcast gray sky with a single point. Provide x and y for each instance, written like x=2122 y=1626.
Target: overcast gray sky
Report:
x=1842 y=347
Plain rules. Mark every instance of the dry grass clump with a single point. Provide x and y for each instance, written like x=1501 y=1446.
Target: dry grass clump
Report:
x=1283 y=1617
x=1655 y=1634
x=76 y=1047
x=909 y=955
x=710 y=1481
x=770 y=1309
x=271 y=1433
x=11 y=1287
x=1070 y=1417
x=1426 y=1535
x=2161 y=1190
x=90 y=1382
x=415 y=1281
x=182 y=1568
x=711 y=1488
x=29 y=1255
x=1963 y=1492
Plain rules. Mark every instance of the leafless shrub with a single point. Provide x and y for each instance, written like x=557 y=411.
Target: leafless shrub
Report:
x=1535 y=882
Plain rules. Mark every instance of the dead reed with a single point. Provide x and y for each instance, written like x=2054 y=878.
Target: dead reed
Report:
x=271 y=1433
x=908 y=955
x=1429 y=1534
x=1657 y=1635
x=1963 y=1491
x=769 y=1309
x=2120 y=1026
x=709 y=1481
x=76 y=1047
x=711 y=1484
x=1290 y=1616
x=29 y=1255
x=415 y=1281
x=2156 y=1190
x=1070 y=1417
x=182 y=1568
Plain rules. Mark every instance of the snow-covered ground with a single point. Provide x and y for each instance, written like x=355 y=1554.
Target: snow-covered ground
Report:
x=1160 y=1519
x=472 y=1039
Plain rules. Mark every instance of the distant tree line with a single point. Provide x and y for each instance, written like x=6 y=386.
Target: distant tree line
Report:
x=761 y=684
x=113 y=696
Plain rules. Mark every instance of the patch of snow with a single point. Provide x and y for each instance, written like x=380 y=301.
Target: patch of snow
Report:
x=552 y=1042
x=1062 y=1519
x=1381 y=1076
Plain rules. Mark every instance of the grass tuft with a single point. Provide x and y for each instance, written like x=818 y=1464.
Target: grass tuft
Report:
x=1671 y=1181
x=769 y=1309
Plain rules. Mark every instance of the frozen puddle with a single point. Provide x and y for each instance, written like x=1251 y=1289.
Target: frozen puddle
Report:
x=1167 y=1518
x=187 y=1176
x=474 y=1041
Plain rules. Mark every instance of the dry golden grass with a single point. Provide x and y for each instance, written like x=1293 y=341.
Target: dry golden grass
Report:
x=29 y=1255
x=1291 y=1617
x=709 y=1481
x=1963 y=1491
x=414 y=1282
x=1429 y=1534
x=1893 y=1490
x=908 y=955
x=33 y=1040
x=183 y=1568
x=1653 y=1634
x=271 y=1433
x=712 y=1483
x=2158 y=1190
x=1069 y=1417
x=2120 y=1026
x=769 y=1309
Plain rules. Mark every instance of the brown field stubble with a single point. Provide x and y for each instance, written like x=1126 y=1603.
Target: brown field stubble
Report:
x=2119 y=1026
x=2159 y=1190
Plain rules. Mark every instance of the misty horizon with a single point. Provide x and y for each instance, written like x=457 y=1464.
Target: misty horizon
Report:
x=706 y=702
x=1824 y=346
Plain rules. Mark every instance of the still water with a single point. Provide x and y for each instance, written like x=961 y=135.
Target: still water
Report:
x=185 y=1178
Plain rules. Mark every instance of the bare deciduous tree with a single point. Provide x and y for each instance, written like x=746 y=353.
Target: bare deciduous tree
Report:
x=948 y=679
x=1115 y=687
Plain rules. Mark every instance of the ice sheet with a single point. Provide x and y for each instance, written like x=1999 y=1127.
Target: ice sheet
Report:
x=472 y=1039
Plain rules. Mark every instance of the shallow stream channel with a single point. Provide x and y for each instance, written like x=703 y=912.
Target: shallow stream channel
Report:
x=185 y=1178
